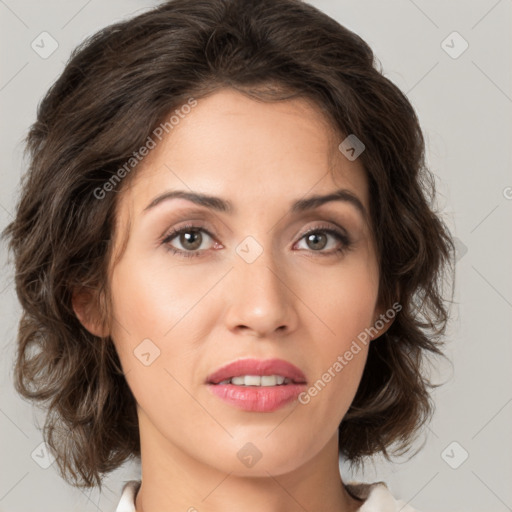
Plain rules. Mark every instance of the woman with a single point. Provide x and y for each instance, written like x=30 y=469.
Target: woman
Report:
x=184 y=169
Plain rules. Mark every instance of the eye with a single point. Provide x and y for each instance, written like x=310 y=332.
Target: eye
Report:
x=191 y=239
x=317 y=239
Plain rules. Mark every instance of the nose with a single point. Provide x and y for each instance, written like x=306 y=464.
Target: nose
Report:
x=260 y=298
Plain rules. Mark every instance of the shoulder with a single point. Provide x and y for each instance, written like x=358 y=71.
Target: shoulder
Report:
x=377 y=498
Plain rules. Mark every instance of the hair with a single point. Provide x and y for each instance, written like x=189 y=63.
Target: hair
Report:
x=116 y=88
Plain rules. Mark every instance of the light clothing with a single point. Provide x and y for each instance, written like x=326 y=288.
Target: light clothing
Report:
x=127 y=502
x=377 y=497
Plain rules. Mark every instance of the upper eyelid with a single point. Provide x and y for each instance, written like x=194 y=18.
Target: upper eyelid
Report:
x=188 y=225
x=204 y=214
x=172 y=233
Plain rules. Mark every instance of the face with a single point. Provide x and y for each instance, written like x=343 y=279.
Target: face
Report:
x=256 y=279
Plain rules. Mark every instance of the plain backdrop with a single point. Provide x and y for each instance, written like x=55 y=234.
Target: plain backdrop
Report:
x=463 y=97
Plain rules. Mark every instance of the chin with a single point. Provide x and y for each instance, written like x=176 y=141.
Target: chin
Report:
x=259 y=454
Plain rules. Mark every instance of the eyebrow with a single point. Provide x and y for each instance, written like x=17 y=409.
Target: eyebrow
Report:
x=226 y=206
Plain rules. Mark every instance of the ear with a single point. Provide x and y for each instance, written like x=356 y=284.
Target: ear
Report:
x=383 y=318
x=85 y=306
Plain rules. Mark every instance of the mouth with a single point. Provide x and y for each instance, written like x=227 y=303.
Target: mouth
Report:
x=257 y=380
x=258 y=372
x=257 y=385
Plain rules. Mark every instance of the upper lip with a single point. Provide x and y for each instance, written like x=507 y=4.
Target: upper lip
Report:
x=257 y=367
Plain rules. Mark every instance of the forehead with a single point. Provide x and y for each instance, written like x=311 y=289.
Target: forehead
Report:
x=251 y=152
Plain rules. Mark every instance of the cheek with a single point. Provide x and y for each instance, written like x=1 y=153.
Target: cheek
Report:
x=159 y=324
x=344 y=300
x=345 y=303
x=148 y=306
x=148 y=300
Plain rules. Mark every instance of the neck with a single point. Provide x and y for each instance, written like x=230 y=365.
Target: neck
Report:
x=173 y=480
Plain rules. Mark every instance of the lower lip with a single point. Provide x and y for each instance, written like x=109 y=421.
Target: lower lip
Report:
x=257 y=398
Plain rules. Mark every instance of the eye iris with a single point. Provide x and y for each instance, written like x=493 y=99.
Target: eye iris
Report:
x=191 y=237
x=314 y=238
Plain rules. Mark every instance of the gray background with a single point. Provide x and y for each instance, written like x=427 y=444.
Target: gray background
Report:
x=464 y=105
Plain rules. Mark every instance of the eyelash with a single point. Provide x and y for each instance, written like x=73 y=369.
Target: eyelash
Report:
x=344 y=239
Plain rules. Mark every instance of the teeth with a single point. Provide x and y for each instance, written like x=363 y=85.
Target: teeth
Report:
x=257 y=380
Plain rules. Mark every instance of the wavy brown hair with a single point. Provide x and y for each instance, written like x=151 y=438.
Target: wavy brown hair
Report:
x=115 y=89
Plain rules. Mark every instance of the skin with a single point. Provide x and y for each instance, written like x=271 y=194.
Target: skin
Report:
x=297 y=301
